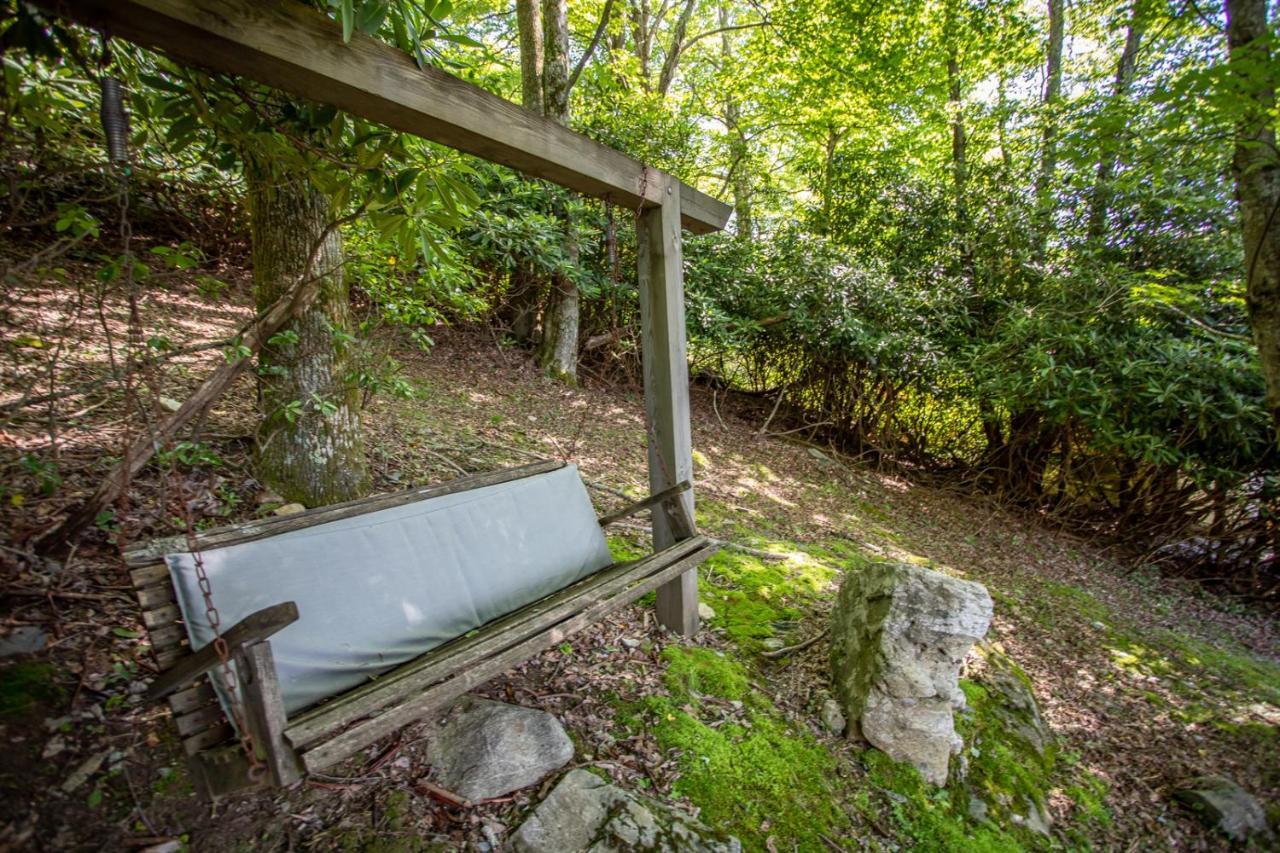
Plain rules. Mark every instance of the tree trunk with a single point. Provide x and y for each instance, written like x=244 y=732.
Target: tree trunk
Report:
x=829 y=177
x=672 y=60
x=310 y=448
x=960 y=165
x=558 y=352
x=524 y=298
x=524 y=291
x=1049 y=138
x=740 y=177
x=1257 y=174
x=1125 y=71
x=529 y=22
x=555 y=60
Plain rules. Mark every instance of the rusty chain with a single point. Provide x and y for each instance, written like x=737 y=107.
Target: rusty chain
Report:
x=115 y=126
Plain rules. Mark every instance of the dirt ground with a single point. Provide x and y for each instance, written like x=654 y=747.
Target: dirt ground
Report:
x=1144 y=681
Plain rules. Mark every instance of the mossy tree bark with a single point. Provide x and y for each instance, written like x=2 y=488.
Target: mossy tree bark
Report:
x=1250 y=37
x=558 y=352
x=310 y=448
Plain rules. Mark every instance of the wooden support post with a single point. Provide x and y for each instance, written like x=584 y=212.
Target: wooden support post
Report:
x=666 y=388
x=264 y=712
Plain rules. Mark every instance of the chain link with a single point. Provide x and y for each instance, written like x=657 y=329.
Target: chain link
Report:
x=230 y=680
x=119 y=163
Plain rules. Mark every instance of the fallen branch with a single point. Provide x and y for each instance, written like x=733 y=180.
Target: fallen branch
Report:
x=798 y=647
x=253 y=338
x=753 y=552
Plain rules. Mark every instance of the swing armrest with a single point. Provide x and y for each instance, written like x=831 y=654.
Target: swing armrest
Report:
x=251 y=629
x=669 y=500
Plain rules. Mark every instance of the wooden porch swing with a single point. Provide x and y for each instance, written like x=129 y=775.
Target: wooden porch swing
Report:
x=288 y=46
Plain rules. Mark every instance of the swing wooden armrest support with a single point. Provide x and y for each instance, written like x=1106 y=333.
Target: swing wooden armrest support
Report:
x=253 y=628
x=671 y=504
x=311 y=740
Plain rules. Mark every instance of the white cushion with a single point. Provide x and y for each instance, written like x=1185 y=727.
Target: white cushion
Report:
x=377 y=590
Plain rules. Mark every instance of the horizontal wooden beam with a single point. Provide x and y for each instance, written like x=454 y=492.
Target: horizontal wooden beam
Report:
x=291 y=47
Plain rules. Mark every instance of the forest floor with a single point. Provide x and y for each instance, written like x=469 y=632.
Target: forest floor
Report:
x=1144 y=681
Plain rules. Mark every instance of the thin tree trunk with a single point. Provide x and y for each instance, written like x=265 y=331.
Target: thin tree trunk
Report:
x=529 y=22
x=740 y=179
x=828 y=176
x=524 y=290
x=1125 y=71
x=672 y=60
x=640 y=14
x=310 y=448
x=1049 y=139
x=1257 y=174
x=558 y=352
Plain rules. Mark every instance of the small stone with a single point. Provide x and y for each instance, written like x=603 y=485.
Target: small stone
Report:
x=1097 y=626
x=1225 y=806
x=169 y=404
x=977 y=809
x=86 y=769
x=584 y=812
x=172 y=846
x=832 y=717
x=290 y=509
x=705 y=611
x=25 y=640
x=631 y=642
x=54 y=746
x=772 y=643
x=489 y=749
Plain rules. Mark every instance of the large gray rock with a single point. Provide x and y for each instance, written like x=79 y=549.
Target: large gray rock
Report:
x=1224 y=805
x=489 y=749
x=898 y=636
x=586 y=813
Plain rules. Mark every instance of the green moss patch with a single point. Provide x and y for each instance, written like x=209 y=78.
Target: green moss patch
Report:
x=25 y=687
x=693 y=671
x=932 y=818
x=747 y=770
x=753 y=597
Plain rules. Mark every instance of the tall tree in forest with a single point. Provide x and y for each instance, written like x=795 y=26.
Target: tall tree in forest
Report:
x=1257 y=175
x=524 y=291
x=558 y=351
x=1126 y=68
x=1049 y=130
x=739 y=162
x=310 y=448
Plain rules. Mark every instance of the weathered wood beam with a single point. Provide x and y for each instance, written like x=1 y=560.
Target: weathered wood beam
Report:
x=146 y=554
x=291 y=47
x=666 y=394
x=437 y=696
x=264 y=712
x=252 y=628
x=640 y=506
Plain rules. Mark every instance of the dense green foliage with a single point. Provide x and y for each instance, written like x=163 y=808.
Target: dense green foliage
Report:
x=935 y=260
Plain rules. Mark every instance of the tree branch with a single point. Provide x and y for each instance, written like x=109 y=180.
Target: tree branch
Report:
x=595 y=42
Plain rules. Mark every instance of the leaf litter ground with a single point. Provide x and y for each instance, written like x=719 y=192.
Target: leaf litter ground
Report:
x=1143 y=680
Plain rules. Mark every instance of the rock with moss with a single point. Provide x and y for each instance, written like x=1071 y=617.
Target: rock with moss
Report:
x=1225 y=806
x=1014 y=702
x=899 y=634
x=1010 y=755
x=586 y=813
